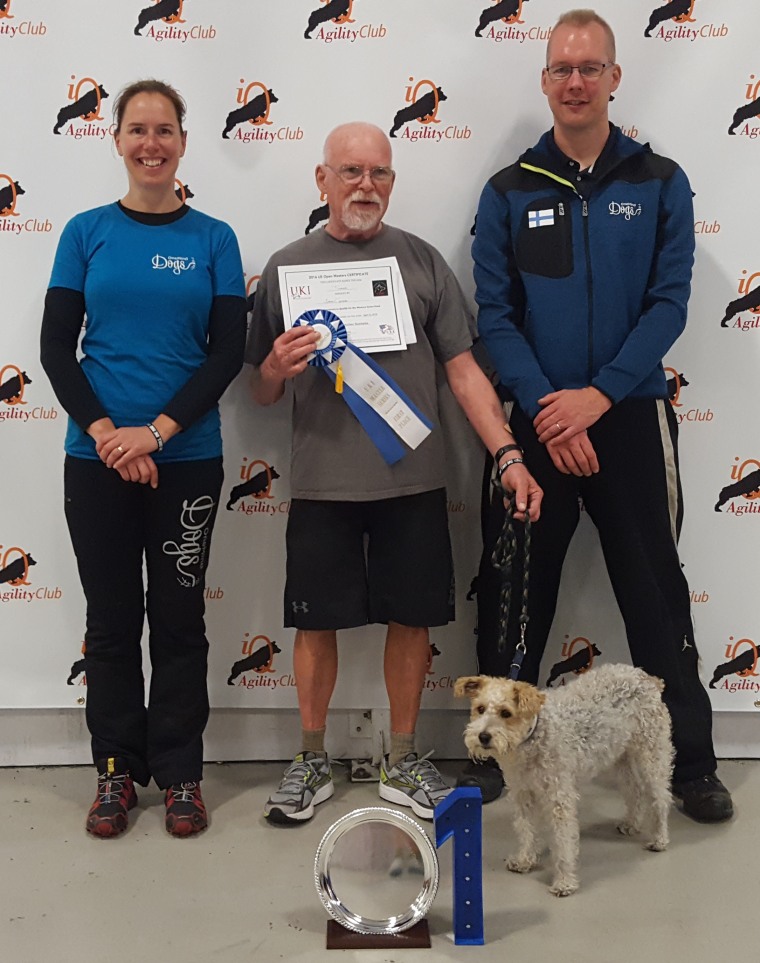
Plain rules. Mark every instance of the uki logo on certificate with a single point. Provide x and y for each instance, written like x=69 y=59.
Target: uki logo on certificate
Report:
x=368 y=296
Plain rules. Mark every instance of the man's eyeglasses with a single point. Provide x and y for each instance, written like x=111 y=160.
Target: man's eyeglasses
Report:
x=587 y=71
x=350 y=174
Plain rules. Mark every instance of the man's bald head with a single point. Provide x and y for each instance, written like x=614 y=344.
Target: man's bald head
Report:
x=357 y=135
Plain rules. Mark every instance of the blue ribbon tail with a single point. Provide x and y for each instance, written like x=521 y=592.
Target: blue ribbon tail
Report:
x=380 y=432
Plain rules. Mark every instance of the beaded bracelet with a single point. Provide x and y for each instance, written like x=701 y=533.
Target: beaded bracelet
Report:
x=157 y=436
x=505 y=466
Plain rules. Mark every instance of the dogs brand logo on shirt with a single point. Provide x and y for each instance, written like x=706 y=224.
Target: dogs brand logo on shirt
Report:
x=24 y=28
x=687 y=26
x=578 y=657
x=743 y=313
x=346 y=28
x=424 y=98
x=745 y=484
x=172 y=23
x=255 y=490
x=164 y=262
x=509 y=13
x=747 y=116
x=83 y=114
x=628 y=209
x=256 y=668
x=15 y=584
x=13 y=403
x=741 y=662
x=256 y=100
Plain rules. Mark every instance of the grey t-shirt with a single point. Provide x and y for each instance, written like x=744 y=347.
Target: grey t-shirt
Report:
x=333 y=459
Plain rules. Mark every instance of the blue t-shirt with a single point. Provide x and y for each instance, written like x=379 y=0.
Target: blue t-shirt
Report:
x=148 y=291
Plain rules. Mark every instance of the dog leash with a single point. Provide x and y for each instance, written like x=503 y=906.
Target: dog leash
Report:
x=504 y=554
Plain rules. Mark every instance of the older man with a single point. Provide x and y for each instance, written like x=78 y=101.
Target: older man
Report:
x=344 y=490
x=583 y=258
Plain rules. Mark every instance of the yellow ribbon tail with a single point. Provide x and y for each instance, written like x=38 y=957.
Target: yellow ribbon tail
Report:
x=339 y=379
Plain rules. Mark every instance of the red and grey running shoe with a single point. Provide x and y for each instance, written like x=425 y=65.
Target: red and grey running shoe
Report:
x=185 y=810
x=108 y=815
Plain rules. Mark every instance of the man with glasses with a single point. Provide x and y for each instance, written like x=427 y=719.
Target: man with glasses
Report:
x=583 y=255
x=344 y=491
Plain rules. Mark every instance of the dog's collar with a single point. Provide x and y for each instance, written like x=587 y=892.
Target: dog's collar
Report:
x=532 y=730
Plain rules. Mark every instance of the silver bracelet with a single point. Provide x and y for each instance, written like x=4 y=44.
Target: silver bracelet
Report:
x=505 y=466
x=157 y=436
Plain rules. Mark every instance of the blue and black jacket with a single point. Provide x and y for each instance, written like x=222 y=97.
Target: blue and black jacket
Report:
x=583 y=280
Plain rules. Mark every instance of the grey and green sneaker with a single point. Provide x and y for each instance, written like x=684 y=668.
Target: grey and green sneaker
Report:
x=306 y=783
x=413 y=782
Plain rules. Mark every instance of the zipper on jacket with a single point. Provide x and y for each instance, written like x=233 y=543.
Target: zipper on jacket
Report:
x=589 y=292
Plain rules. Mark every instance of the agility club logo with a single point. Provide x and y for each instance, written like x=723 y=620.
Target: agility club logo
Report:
x=504 y=21
x=336 y=22
x=167 y=22
x=420 y=120
x=675 y=383
x=24 y=28
x=257 y=668
x=11 y=220
x=78 y=667
x=741 y=662
x=182 y=191
x=14 y=405
x=15 y=582
x=255 y=490
x=745 y=484
x=319 y=214
x=256 y=100
x=743 y=313
x=83 y=113
x=687 y=26
x=578 y=657
x=749 y=111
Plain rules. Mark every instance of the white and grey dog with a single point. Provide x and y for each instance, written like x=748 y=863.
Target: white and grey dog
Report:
x=545 y=742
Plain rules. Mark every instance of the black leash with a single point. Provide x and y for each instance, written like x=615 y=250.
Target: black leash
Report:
x=504 y=554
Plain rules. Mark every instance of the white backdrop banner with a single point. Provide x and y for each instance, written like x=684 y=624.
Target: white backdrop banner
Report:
x=456 y=85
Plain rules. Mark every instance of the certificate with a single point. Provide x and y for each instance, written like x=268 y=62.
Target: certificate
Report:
x=368 y=297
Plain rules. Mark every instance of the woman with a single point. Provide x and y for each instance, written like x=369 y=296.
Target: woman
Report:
x=162 y=289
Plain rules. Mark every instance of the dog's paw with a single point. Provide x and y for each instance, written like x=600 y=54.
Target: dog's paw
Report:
x=563 y=887
x=521 y=864
x=658 y=845
x=627 y=829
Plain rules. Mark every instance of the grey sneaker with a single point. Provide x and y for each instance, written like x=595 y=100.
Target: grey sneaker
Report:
x=413 y=782
x=306 y=783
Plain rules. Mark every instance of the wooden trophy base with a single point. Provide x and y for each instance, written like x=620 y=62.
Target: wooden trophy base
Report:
x=340 y=938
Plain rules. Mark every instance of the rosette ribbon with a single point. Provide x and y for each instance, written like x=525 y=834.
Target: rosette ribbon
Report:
x=388 y=416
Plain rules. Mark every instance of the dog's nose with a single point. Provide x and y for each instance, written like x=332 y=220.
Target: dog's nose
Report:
x=484 y=738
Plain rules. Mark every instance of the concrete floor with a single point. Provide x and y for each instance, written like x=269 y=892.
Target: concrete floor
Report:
x=244 y=890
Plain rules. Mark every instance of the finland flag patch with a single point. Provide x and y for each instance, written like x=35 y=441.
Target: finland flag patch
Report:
x=541 y=218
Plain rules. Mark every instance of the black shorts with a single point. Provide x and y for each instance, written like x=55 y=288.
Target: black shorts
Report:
x=401 y=572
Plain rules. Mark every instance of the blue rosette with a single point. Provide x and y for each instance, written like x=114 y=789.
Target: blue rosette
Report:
x=333 y=337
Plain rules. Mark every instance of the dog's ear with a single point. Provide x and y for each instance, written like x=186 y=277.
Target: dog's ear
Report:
x=467 y=686
x=529 y=699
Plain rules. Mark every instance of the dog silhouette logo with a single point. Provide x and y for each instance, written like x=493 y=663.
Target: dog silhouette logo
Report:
x=78 y=667
x=170 y=11
x=740 y=663
x=13 y=381
x=250 y=294
x=748 y=111
x=85 y=106
x=339 y=11
x=9 y=195
x=508 y=11
x=679 y=11
x=256 y=658
x=578 y=662
x=423 y=107
x=5 y=10
x=319 y=214
x=745 y=484
x=749 y=301
x=14 y=566
x=255 y=109
x=182 y=191
x=257 y=485
x=674 y=383
x=434 y=651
